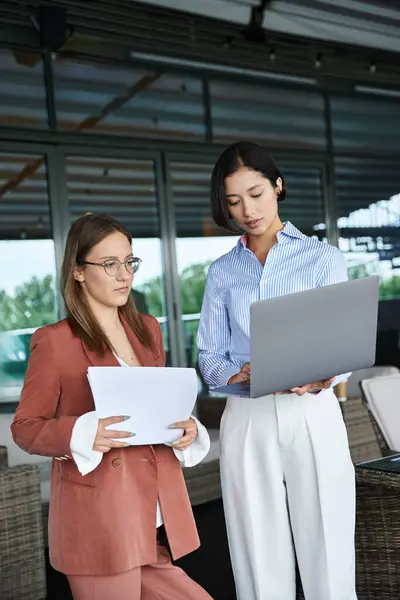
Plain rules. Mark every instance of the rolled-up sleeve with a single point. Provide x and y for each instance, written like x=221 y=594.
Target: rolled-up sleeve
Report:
x=82 y=441
x=214 y=335
x=197 y=452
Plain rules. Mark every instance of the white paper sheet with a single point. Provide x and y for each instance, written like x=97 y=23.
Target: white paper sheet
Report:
x=152 y=397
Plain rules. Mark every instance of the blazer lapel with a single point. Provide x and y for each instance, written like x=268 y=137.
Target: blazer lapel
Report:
x=108 y=360
x=145 y=356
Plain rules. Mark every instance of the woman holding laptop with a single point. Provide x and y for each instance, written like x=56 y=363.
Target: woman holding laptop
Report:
x=107 y=498
x=287 y=476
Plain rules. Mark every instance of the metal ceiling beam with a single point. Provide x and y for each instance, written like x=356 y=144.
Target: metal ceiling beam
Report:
x=111 y=34
x=89 y=123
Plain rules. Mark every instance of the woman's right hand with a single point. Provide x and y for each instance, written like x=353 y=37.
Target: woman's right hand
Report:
x=104 y=439
x=243 y=376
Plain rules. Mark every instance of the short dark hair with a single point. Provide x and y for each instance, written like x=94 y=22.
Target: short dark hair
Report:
x=240 y=155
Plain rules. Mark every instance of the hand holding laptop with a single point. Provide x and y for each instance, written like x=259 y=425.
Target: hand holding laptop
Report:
x=285 y=359
x=310 y=388
x=244 y=377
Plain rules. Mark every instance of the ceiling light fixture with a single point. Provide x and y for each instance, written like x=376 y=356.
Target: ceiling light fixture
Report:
x=363 y=89
x=221 y=69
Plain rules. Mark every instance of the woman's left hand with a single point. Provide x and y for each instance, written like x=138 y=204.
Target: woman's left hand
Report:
x=189 y=437
x=310 y=388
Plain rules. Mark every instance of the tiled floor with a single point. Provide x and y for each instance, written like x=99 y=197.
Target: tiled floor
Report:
x=209 y=566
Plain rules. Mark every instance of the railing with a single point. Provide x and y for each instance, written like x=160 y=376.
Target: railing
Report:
x=15 y=349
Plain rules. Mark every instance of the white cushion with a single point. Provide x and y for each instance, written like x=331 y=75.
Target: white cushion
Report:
x=382 y=395
x=353 y=383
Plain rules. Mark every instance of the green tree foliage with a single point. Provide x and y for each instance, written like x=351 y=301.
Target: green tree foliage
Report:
x=33 y=302
x=359 y=271
x=390 y=288
x=32 y=305
x=191 y=283
x=153 y=293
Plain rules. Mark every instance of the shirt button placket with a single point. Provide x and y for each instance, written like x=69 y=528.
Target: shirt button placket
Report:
x=263 y=285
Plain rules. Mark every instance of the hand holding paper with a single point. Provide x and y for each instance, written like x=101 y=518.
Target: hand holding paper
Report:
x=190 y=434
x=110 y=438
x=153 y=398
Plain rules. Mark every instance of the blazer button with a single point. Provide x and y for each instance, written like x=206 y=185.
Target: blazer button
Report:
x=117 y=462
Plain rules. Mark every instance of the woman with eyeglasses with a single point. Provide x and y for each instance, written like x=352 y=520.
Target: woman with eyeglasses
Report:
x=108 y=499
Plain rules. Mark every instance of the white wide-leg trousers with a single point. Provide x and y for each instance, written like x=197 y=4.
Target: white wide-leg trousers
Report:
x=289 y=491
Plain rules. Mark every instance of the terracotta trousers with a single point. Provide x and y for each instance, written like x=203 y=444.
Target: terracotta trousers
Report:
x=159 y=581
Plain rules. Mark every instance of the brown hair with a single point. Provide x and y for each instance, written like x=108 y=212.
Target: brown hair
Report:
x=85 y=233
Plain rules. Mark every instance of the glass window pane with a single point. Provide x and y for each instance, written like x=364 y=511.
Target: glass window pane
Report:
x=304 y=202
x=190 y=187
x=125 y=189
x=109 y=99
x=27 y=266
x=365 y=124
x=22 y=91
x=191 y=195
x=368 y=193
x=264 y=113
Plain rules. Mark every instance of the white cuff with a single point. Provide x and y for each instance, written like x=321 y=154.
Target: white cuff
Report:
x=82 y=440
x=197 y=451
x=227 y=374
x=341 y=379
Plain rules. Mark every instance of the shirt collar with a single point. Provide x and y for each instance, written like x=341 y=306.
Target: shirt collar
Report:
x=288 y=231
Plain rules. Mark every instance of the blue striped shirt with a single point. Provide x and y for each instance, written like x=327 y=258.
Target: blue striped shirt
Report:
x=237 y=279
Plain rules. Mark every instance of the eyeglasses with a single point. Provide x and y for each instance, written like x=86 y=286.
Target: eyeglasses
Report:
x=112 y=267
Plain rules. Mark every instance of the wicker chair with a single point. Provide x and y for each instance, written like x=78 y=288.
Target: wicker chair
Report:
x=384 y=448
x=378 y=517
x=22 y=560
x=203 y=482
x=378 y=535
x=362 y=435
x=383 y=445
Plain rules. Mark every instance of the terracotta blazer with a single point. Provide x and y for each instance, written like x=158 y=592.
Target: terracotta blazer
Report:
x=104 y=522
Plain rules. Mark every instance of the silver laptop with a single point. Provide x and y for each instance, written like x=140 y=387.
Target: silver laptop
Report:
x=310 y=336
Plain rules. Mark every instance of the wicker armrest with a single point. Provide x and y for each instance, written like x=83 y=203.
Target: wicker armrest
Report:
x=22 y=564
x=362 y=437
x=203 y=482
x=3 y=457
x=380 y=479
